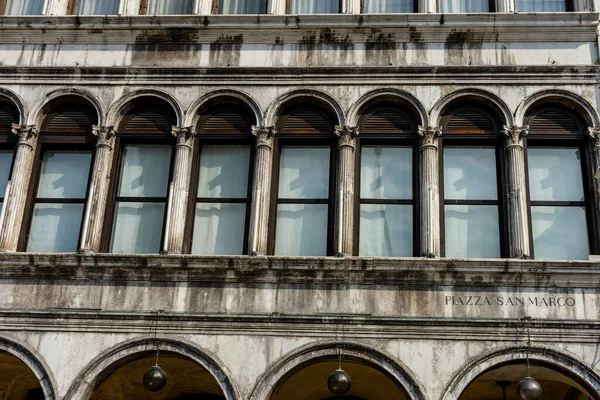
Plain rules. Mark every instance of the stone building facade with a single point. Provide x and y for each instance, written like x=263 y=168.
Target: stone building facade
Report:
x=413 y=195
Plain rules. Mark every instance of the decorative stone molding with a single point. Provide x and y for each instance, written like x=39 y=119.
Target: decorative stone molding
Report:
x=429 y=136
x=514 y=135
x=183 y=135
x=594 y=135
x=346 y=135
x=104 y=135
x=27 y=134
x=264 y=136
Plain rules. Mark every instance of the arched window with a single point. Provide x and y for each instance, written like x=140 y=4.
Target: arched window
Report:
x=166 y=7
x=387 y=182
x=21 y=7
x=143 y=163
x=239 y=6
x=9 y=114
x=559 y=189
x=388 y=7
x=466 y=6
x=222 y=180
x=303 y=181
x=93 y=7
x=61 y=176
x=472 y=197
x=544 y=5
x=313 y=6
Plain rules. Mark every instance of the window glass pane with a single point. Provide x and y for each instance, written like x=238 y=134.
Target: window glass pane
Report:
x=224 y=171
x=314 y=6
x=55 y=228
x=24 y=7
x=470 y=173
x=541 y=5
x=219 y=228
x=138 y=228
x=304 y=173
x=472 y=231
x=560 y=233
x=386 y=172
x=64 y=175
x=5 y=164
x=158 y=7
x=145 y=171
x=555 y=174
x=97 y=7
x=389 y=6
x=301 y=230
x=464 y=6
x=242 y=6
x=386 y=230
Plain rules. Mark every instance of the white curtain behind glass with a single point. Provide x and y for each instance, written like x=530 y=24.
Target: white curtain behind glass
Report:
x=464 y=6
x=242 y=6
x=389 y=6
x=174 y=7
x=97 y=7
x=315 y=7
x=24 y=7
x=541 y=5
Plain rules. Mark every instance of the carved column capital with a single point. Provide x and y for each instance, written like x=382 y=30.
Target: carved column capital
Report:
x=27 y=134
x=104 y=136
x=514 y=135
x=429 y=136
x=183 y=136
x=346 y=135
x=264 y=136
x=594 y=135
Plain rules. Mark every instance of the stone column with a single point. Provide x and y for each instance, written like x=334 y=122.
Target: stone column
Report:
x=430 y=191
x=204 y=7
x=505 y=6
x=351 y=6
x=179 y=190
x=276 y=6
x=261 y=190
x=428 y=6
x=16 y=197
x=584 y=5
x=594 y=134
x=93 y=219
x=518 y=226
x=344 y=210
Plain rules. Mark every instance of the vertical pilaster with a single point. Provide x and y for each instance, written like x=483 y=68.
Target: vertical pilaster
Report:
x=16 y=197
x=344 y=218
x=594 y=135
x=93 y=222
x=518 y=227
x=430 y=191
x=179 y=195
x=261 y=190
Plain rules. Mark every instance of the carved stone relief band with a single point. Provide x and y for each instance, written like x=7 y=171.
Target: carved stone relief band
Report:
x=27 y=134
x=264 y=136
x=104 y=135
x=183 y=135
x=514 y=135
x=429 y=136
x=346 y=135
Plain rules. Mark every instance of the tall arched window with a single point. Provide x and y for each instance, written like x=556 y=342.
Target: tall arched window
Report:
x=222 y=179
x=559 y=184
x=166 y=7
x=143 y=163
x=303 y=180
x=9 y=115
x=472 y=196
x=61 y=176
x=239 y=6
x=313 y=6
x=544 y=5
x=387 y=7
x=387 y=183
x=466 y=6
x=93 y=7
x=21 y=7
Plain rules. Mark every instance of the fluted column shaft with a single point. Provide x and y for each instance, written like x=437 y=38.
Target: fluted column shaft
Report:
x=16 y=196
x=430 y=191
x=179 y=190
x=261 y=190
x=594 y=135
x=344 y=218
x=518 y=226
x=93 y=223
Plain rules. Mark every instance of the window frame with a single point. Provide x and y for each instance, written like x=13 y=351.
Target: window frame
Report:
x=216 y=3
x=491 y=7
x=288 y=7
x=574 y=140
x=494 y=140
x=415 y=8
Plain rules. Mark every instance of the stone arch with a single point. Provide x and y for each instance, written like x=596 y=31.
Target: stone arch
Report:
x=110 y=360
x=35 y=362
x=269 y=381
x=563 y=362
x=483 y=96
x=276 y=106
x=373 y=96
x=570 y=99
x=16 y=100
x=36 y=116
x=114 y=113
x=191 y=114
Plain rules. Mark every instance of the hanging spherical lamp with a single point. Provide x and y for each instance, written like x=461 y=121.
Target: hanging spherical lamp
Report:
x=529 y=389
x=339 y=382
x=155 y=379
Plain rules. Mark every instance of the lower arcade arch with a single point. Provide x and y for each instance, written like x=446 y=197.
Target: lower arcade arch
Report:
x=17 y=380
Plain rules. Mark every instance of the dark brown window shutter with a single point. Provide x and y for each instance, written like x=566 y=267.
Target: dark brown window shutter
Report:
x=144 y=120
x=469 y=121
x=306 y=121
x=70 y=118
x=226 y=122
x=9 y=114
x=553 y=121
x=386 y=121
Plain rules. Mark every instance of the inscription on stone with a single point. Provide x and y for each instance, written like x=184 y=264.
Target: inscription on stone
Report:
x=510 y=301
